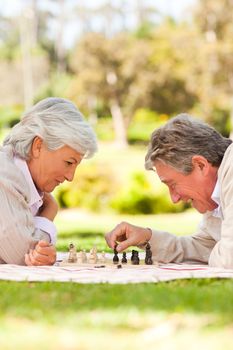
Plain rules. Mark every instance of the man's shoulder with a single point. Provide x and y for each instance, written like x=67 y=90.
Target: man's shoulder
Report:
x=227 y=161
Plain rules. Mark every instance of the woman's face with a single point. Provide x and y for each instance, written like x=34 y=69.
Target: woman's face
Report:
x=50 y=168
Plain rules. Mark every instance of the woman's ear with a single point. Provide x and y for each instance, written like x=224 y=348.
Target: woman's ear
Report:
x=36 y=147
x=201 y=164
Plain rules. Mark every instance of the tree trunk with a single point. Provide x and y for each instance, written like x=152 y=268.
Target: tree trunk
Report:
x=118 y=124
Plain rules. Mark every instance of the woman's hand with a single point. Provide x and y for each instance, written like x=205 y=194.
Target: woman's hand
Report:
x=43 y=254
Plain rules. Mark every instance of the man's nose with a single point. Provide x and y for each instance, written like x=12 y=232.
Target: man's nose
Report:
x=175 y=197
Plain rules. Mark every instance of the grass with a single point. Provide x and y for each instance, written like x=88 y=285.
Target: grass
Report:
x=69 y=316
x=74 y=316
x=85 y=229
x=194 y=313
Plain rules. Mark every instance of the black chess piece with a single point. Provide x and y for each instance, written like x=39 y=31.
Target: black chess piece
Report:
x=115 y=257
x=124 y=258
x=135 y=259
x=133 y=254
x=148 y=257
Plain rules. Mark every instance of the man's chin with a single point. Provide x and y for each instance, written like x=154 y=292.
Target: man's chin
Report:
x=200 y=210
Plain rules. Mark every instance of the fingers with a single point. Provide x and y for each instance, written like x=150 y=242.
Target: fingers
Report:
x=118 y=234
x=42 y=254
x=125 y=244
x=45 y=248
x=27 y=260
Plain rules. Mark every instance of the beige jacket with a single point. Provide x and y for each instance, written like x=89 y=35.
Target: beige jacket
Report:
x=213 y=241
x=17 y=229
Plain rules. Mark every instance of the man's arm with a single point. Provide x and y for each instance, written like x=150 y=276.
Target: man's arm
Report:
x=167 y=247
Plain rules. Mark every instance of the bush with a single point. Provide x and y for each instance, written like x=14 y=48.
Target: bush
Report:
x=140 y=198
x=143 y=123
x=91 y=189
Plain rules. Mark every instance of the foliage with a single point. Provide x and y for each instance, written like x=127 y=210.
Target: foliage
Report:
x=10 y=115
x=143 y=123
x=96 y=188
x=91 y=188
x=137 y=196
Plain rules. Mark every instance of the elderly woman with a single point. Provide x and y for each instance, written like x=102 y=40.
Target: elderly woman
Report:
x=41 y=152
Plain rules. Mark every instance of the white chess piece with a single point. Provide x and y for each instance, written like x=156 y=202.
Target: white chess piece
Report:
x=72 y=254
x=84 y=257
x=79 y=258
x=102 y=257
x=92 y=257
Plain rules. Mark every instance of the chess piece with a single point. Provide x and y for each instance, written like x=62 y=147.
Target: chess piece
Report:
x=124 y=259
x=102 y=257
x=135 y=260
x=79 y=258
x=72 y=254
x=148 y=257
x=93 y=250
x=84 y=257
x=115 y=257
x=92 y=257
x=133 y=254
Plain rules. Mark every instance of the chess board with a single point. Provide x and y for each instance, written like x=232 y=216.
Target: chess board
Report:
x=93 y=259
x=108 y=263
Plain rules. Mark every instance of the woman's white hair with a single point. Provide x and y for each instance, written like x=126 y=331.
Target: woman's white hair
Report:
x=58 y=123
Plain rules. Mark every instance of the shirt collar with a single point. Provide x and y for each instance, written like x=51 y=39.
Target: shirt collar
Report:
x=216 y=193
x=36 y=196
x=216 y=198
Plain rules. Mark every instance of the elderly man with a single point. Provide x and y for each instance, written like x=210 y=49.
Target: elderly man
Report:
x=196 y=164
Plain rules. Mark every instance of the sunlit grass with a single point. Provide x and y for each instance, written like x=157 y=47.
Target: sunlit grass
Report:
x=86 y=229
x=74 y=316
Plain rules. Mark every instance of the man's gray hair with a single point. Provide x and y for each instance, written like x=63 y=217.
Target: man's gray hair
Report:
x=57 y=122
x=180 y=139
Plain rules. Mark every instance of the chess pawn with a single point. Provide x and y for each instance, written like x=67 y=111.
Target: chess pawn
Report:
x=124 y=259
x=133 y=254
x=79 y=258
x=84 y=256
x=102 y=257
x=135 y=259
x=92 y=257
x=72 y=254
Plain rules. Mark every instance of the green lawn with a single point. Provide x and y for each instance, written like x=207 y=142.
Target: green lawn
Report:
x=174 y=315
x=85 y=229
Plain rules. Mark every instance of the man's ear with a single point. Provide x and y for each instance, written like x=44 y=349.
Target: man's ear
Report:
x=201 y=164
x=36 y=147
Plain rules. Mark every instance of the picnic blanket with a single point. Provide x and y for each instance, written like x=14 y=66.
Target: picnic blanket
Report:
x=111 y=274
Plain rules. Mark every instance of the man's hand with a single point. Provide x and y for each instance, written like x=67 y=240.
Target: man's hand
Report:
x=43 y=254
x=128 y=235
x=49 y=208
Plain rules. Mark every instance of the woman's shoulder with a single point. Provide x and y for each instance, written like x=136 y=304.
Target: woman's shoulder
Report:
x=10 y=174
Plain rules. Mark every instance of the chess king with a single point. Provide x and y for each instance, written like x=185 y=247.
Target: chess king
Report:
x=195 y=162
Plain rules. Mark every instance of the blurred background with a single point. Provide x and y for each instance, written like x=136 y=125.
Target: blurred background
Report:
x=129 y=66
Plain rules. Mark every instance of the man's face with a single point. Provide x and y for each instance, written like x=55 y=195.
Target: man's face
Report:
x=50 y=168
x=196 y=187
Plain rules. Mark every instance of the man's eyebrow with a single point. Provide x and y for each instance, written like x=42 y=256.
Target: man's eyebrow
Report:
x=74 y=159
x=166 y=182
